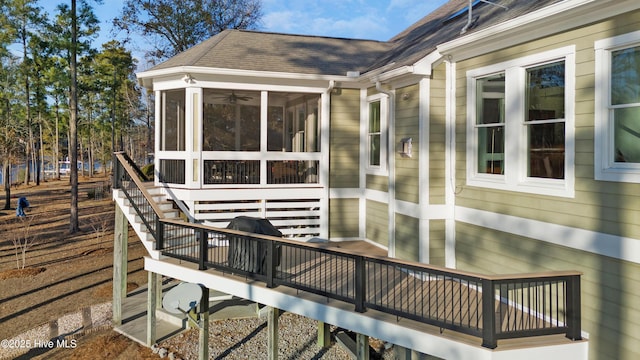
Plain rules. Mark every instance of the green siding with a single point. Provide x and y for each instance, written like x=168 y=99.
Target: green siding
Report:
x=436 y=242
x=407 y=126
x=345 y=146
x=610 y=287
x=607 y=207
x=377 y=182
x=344 y=218
x=407 y=242
x=377 y=222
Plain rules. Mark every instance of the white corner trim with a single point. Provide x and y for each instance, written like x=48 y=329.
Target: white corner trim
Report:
x=618 y=247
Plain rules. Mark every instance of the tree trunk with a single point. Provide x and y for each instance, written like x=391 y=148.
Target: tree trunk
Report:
x=73 y=123
x=7 y=185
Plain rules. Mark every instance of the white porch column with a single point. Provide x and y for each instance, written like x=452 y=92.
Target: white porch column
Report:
x=273 y=315
x=120 y=240
x=152 y=305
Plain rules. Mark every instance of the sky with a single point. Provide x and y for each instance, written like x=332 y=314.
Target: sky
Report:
x=361 y=19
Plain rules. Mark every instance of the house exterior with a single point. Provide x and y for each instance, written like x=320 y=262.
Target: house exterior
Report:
x=496 y=138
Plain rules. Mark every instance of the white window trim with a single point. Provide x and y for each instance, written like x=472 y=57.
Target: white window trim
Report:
x=604 y=167
x=515 y=178
x=382 y=169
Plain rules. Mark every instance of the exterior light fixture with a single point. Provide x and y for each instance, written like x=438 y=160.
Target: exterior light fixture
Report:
x=188 y=79
x=406 y=149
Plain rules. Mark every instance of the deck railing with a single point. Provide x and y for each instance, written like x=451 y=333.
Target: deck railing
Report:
x=489 y=307
x=130 y=179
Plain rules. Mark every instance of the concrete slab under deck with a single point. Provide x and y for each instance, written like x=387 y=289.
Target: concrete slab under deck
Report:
x=134 y=314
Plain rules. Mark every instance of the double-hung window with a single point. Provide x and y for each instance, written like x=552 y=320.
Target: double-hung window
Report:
x=377 y=134
x=520 y=124
x=617 y=111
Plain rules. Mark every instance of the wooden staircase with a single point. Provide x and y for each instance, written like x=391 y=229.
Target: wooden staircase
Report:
x=160 y=198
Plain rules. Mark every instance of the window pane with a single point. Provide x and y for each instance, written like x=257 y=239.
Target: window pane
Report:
x=546 y=150
x=490 y=123
x=374 y=149
x=491 y=150
x=173 y=129
x=490 y=100
x=545 y=92
x=231 y=120
x=374 y=133
x=293 y=122
x=625 y=76
x=626 y=134
x=374 y=117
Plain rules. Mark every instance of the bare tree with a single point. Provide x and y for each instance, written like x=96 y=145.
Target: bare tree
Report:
x=23 y=240
x=177 y=26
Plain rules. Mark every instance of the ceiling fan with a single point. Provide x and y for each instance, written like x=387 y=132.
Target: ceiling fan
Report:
x=233 y=98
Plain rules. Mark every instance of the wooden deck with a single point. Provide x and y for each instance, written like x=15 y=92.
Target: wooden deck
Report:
x=441 y=299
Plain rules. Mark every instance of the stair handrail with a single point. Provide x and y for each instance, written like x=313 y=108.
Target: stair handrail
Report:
x=121 y=155
x=138 y=195
x=126 y=163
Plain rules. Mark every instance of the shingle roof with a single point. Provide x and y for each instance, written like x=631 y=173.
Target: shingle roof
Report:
x=273 y=52
x=438 y=27
x=261 y=51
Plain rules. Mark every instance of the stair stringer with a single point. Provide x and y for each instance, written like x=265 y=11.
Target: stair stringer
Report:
x=136 y=223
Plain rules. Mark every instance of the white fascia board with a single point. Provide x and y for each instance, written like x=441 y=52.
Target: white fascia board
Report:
x=391 y=74
x=547 y=21
x=425 y=65
x=195 y=70
x=421 y=68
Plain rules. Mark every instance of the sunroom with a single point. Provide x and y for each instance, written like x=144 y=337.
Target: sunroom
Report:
x=225 y=151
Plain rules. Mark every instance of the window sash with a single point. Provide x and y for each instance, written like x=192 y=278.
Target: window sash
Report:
x=515 y=174
x=375 y=134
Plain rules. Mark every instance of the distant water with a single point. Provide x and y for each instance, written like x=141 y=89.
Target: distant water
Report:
x=16 y=169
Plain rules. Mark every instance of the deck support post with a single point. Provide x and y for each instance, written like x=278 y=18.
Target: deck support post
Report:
x=203 y=325
x=120 y=257
x=488 y=315
x=273 y=315
x=324 y=335
x=362 y=347
x=152 y=305
x=403 y=353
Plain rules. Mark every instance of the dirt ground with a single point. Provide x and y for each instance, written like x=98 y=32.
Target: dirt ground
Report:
x=63 y=272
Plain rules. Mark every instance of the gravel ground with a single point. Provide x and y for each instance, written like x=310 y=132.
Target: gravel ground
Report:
x=247 y=339
x=69 y=327
x=228 y=339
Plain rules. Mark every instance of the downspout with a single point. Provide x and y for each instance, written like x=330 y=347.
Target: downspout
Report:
x=469 y=18
x=391 y=155
x=450 y=164
x=470 y=13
